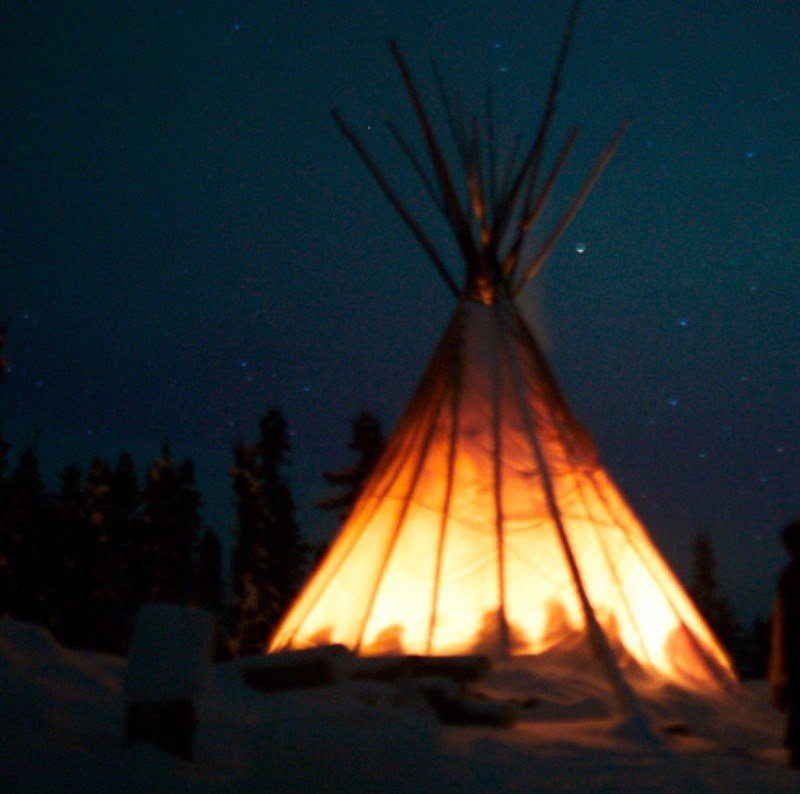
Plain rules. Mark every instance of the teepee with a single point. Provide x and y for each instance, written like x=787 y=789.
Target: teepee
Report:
x=489 y=524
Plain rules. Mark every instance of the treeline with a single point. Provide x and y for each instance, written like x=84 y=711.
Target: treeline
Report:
x=747 y=645
x=82 y=559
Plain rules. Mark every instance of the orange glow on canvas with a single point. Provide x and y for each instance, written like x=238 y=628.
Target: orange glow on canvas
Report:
x=455 y=547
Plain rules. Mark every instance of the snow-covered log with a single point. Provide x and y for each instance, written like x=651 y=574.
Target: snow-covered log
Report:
x=304 y=669
x=390 y=668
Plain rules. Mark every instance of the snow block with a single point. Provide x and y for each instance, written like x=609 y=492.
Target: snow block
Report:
x=170 y=656
x=169 y=664
x=304 y=669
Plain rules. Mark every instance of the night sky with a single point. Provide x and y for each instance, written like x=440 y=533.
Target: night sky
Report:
x=187 y=240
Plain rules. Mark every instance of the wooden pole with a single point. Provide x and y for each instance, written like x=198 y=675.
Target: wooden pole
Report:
x=408 y=219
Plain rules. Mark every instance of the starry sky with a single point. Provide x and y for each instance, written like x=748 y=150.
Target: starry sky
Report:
x=186 y=239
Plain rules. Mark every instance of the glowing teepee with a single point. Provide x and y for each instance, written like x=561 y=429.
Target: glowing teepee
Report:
x=489 y=523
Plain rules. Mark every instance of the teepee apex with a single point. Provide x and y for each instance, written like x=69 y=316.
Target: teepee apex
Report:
x=490 y=202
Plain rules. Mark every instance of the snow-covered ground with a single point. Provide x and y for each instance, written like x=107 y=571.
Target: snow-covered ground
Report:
x=61 y=715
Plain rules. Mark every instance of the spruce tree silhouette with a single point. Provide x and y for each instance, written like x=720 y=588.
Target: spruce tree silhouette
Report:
x=754 y=660
x=3 y=362
x=269 y=559
x=367 y=440
x=4 y=446
x=105 y=618
x=126 y=537
x=26 y=552
x=171 y=529
x=709 y=598
x=97 y=554
x=72 y=593
x=210 y=586
x=5 y=531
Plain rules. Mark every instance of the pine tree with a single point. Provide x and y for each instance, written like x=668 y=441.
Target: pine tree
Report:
x=25 y=552
x=104 y=618
x=124 y=503
x=124 y=497
x=708 y=596
x=367 y=440
x=4 y=446
x=171 y=529
x=754 y=660
x=3 y=362
x=269 y=559
x=210 y=587
x=5 y=530
x=71 y=603
x=248 y=561
x=4 y=449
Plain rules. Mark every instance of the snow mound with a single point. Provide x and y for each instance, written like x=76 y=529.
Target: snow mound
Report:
x=62 y=714
x=170 y=653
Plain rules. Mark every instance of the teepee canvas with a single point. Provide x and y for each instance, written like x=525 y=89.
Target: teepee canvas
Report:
x=489 y=523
